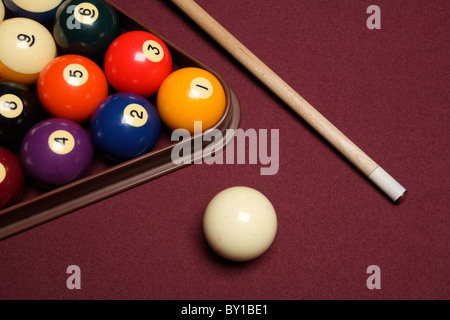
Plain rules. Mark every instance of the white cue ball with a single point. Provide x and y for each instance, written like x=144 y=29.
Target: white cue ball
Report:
x=240 y=223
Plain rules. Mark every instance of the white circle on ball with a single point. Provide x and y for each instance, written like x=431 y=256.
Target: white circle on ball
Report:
x=201 y=88
x=86 y=13
x=11 y=106
x=153 y=51
x=75 y=74
x=240 y=223
x=61 y=142
x=135 y=115
x=2 y=172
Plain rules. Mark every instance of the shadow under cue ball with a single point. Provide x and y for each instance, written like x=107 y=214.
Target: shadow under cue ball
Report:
x=240 y=223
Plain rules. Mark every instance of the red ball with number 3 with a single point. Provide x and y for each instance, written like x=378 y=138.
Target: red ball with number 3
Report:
x=71 y=87
x=137 y=62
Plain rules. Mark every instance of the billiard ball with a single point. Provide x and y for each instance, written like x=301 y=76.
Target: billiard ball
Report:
x=124 y=126
x=11 y=178
x=55 y=152
x=86 y=27
x=240 y=223
x=71 y=86
x=19 y=110
x=42 y=11
x=2 y=11
x=26 y=47
x=137 y=62
x=188 y=95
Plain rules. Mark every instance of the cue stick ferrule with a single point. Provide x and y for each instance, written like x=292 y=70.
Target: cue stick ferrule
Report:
x=387 y=184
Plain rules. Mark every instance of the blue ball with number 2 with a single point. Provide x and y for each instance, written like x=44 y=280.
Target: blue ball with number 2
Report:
x=124 y=126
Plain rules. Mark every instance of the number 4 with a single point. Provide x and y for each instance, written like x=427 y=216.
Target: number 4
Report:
x=61 y=140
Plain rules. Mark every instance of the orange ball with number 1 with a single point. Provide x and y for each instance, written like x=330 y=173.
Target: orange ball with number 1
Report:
x=189 y=95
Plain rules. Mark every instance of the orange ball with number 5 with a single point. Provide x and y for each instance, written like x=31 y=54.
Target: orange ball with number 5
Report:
x=71 y=86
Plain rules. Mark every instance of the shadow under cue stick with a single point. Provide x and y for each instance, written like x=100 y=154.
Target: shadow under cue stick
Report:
x=278 y=86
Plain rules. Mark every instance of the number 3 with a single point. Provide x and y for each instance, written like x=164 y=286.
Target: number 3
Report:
x=150 y=47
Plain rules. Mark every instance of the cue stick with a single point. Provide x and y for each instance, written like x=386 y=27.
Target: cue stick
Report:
x=306 y=111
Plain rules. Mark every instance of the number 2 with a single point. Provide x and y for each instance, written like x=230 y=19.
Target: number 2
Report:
x=135 y=113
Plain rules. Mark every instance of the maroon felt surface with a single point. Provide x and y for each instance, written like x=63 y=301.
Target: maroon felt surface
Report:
x=386 y=89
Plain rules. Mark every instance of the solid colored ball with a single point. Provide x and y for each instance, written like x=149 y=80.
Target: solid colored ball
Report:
x=42 y=11
x=11 y=178
x=240 y=223
x=137 y=62
x=86 y=27
x=124 y=126
x=55 y=152
x=71 y=87
x=19 y=111
x=188 y=95
x=26 y=48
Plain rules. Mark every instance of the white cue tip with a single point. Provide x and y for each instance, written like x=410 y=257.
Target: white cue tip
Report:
x=387 y=184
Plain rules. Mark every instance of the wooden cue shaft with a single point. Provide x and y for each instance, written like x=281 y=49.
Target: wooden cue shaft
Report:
x=288 y=95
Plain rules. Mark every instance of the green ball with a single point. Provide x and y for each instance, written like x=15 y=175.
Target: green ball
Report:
x=85 y=27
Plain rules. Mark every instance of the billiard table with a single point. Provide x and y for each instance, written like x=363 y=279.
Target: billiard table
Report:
x=380 y=74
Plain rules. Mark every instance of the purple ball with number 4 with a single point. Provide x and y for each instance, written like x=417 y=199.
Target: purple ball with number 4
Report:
x=55 y=152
